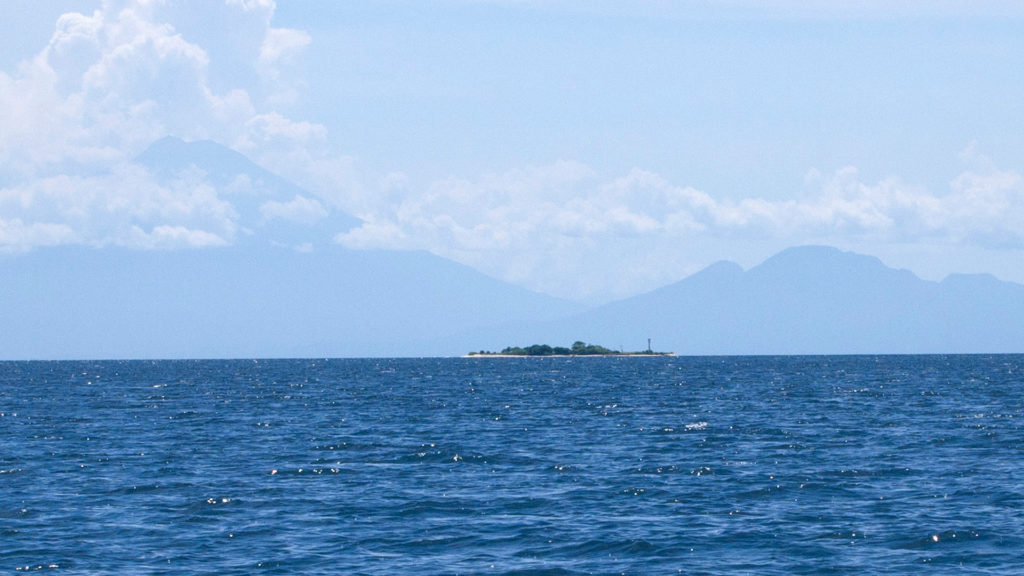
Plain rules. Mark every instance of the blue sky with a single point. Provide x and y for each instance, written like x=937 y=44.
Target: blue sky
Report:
x=584 y=149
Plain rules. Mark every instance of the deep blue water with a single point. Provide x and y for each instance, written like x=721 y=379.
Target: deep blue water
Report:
x=794 y=465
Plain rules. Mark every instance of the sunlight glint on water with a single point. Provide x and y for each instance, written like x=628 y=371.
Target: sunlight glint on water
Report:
x=800 y=465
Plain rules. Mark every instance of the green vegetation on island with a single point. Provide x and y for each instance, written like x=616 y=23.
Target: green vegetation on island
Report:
x=578 y=349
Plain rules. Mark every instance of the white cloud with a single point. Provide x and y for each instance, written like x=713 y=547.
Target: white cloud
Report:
x=282 y=44
x=169 y=237
x=561 y=228
x=277 y=63
x=299 y=151
x=987 y=208
x=111 y=82
x=16 y=236
x=115 y=209
x=300 y=209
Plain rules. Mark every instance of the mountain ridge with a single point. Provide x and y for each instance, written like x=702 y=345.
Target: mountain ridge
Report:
x=814 y=300
x=283 y=288
x=250 y=188
x=240 y=302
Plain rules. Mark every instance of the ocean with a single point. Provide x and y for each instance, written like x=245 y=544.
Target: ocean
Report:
x=604 y=465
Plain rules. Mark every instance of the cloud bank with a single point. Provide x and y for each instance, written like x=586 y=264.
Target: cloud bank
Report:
x=110 y=83
x=564 y=229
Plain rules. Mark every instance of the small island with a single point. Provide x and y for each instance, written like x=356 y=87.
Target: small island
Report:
x=578 y=349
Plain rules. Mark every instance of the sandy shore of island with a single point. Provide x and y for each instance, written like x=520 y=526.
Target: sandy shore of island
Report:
x=623 y=355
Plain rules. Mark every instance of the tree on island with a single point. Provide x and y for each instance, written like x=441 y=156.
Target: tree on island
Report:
x=584 y=349
x=579 y=348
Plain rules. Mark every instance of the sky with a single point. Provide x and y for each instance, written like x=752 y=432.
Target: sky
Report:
x=589 y=150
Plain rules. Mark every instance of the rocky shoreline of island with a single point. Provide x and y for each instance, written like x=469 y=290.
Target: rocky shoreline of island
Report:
x=578 y=349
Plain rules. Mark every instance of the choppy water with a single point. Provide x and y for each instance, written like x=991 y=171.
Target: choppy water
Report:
x=799 y=465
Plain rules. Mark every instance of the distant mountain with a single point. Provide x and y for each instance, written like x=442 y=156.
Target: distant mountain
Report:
x=810 y=300
x=258 y=298
x=240 y=302
x=249 y=187
x=243 y=301
x=170 y=155
x=262 y=297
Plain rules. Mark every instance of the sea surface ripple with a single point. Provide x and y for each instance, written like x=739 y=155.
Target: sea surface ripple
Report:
x=728 y=465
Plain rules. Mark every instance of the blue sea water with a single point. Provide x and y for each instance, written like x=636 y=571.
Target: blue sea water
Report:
x=729 y=465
